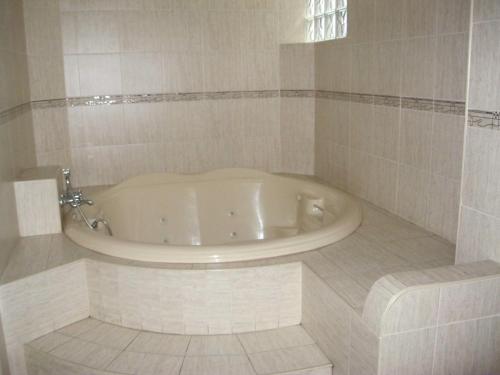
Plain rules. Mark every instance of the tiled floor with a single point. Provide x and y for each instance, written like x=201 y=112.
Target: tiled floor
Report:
x=91 y=344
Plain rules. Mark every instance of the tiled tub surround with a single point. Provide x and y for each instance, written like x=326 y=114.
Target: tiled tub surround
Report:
x=90 y=346
x=404 y=156
x=139 y=47
x=480 y=209
x=352 y=325
x=183 y=133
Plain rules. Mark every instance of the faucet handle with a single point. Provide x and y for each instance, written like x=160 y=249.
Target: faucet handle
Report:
x=67 y=179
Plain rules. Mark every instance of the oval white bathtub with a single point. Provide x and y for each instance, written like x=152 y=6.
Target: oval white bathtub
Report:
x=221 y=216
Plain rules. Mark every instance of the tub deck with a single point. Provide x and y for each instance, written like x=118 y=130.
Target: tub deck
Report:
x=383 y=244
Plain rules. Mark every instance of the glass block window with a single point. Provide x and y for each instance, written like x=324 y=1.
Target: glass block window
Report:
x=326 y=19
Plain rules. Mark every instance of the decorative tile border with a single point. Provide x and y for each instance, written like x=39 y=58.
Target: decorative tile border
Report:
x=417 y=104
x=388 y=101
x=153 y=98
x=450 y=107
x=298 y=93
x=484 y=119
x=420 y=104
x=12 y=113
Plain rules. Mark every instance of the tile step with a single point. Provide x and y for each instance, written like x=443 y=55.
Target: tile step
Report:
x=92 y=347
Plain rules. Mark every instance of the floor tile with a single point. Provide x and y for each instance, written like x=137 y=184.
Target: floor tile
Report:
x=157 y=343
x=217 y=365
x=255 y=342
x=86 y=353
x=286 y=360
x=76 y=329
x=214 y=345
x=110 y=335
x=146 y=364
x=49 y=342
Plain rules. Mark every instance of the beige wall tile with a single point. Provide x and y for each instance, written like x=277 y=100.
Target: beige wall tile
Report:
x=419 y=18
x=46 y=77
x=100 y=74
x=468 y=348
x=447 y=145
x=387 y=68
x=361 y=125
x=388 y=19
x=469 y=300
x=327 y=323
x=481 y=180
x=182 y=72
x=478 y=236
x=413 y=194
x=451 y=66
x=412 y=310
x=297 y=66
x=98 y=32
x=418 y=67
x=362 y=80
x=17 y=147
x=385 y=138
x=364 y=351
x=416 y=138
x=69 y=32
x=360 y=165
x=138 y=31
x=483 y=70
x=38 y=209
x=411 y=353
x=71 y=75
x=361 y=19
x=486 y=10
x=453 y=16
x=444 y=205
x=297 y=134
x=141 y=72
x=383 y=183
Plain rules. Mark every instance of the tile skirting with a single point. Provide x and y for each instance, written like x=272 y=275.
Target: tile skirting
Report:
x=484 y=119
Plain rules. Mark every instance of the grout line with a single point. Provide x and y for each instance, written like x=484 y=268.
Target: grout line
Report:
x=185 y=354
x=246 y=354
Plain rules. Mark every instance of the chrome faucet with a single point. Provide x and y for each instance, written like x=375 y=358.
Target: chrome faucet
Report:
x=75 y=199
x=70 y=196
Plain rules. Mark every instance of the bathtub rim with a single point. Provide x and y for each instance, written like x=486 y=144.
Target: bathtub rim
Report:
x=346 y=224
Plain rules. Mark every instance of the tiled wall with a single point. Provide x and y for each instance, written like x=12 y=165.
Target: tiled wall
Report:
x=400 y=153
x=479 y=231
x=297 y=111
x=150 y=47
x=40 y=304
x=198 y=302
x=16 y=133
x=440 y=321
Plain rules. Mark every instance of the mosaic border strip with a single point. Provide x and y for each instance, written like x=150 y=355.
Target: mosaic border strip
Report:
x=418 y=104
x=421 y=104
x=14 y=112
x=484 y=119
x=154 y=98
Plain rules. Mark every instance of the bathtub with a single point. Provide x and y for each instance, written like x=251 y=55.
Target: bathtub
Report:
x=222 y=216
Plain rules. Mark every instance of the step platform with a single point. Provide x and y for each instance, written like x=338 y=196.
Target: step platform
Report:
x=92 y=347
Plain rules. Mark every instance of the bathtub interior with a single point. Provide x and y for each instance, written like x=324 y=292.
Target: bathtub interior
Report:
x=222 y=207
